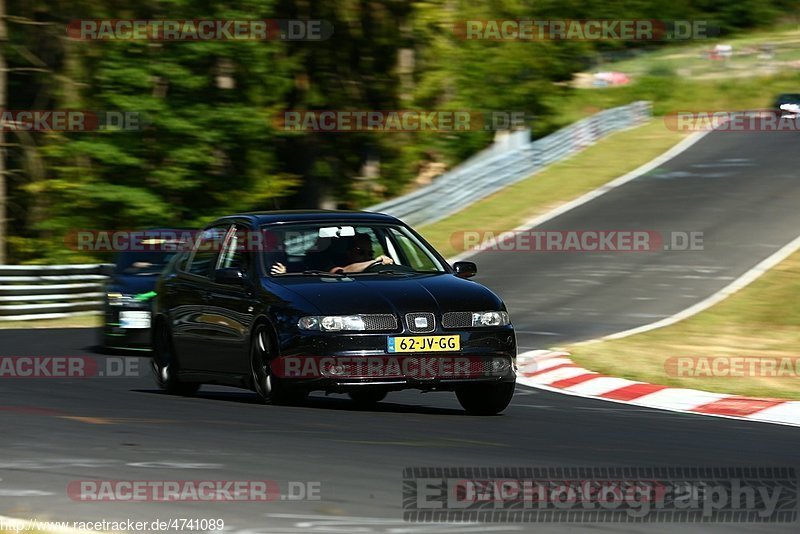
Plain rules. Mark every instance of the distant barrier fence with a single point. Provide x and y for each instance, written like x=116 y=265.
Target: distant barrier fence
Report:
x=50 y=291
x=507 y=162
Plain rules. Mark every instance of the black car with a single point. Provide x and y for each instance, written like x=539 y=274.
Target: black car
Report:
x=788 y=105
x=128 y=301
x=285 y=303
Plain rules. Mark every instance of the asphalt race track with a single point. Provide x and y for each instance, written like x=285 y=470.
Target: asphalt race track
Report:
x=741 y=190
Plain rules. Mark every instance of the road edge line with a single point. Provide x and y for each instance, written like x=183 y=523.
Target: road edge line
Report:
x=677 y=149
x=740 y=283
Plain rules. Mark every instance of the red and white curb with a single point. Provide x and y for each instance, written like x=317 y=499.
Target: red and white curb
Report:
x=555 y=371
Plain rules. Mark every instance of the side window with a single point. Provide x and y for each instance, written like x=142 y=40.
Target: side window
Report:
x=377 y=246
x=235 y=253
x=417 y=259
x=205 y=253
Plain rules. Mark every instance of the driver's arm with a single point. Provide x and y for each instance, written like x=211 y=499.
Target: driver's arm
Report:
x=360 y=266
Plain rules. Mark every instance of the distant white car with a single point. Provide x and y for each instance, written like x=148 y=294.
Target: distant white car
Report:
x=788 y=106
x=790 y=111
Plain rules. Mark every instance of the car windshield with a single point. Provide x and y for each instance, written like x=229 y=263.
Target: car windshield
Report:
x=344 y=249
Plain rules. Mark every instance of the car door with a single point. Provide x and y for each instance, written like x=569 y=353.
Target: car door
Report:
x=232 y=306
x=191 y=324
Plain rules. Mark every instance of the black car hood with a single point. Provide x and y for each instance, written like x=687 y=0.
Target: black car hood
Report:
x=391 y=294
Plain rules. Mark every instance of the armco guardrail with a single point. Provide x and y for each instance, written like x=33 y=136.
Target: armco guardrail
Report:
x=50 y=291
x=500 y=166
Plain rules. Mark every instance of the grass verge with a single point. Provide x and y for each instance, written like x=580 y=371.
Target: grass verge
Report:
x=760 y=321
x=510 y=207
x=81 y=321
x=671 y=94
x=692 y=57
x=683 y=78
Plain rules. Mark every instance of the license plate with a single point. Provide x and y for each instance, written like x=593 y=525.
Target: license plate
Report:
x=134 y=319
x=424 y=344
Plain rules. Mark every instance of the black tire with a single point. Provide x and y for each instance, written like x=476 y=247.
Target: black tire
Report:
x=367 y=397
x=269 y=388
x=486 y=399
x=165 y=365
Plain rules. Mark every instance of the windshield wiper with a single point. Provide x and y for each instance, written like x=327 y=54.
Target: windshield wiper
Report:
x=392 y=272
x=318 y=272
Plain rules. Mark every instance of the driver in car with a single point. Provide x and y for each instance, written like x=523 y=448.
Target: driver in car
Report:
x=360 y=255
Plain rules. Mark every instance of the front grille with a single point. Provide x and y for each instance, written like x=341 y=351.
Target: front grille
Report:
x=379 y=322
x=457 y=320
x=411 y=322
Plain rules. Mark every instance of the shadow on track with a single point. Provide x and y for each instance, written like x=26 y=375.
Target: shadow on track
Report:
x=317 y=402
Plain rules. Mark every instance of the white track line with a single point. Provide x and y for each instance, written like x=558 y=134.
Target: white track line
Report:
x=591 y=195
x=673 y=399
x=743 y=281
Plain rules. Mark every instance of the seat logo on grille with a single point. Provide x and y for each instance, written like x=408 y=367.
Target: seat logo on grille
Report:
x=421 y=322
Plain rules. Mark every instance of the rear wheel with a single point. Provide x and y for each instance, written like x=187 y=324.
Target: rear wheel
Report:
x=165 y=365
x=267 y=386
x=486 y=399
x=367 y=397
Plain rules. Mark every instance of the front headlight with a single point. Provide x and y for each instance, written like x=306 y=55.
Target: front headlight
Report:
x=122 y=299
x=118 y=299
x=332 y=323
x=490 y=318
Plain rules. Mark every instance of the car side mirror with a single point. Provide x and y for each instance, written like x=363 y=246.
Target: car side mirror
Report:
x=465 y=269
x=229 y=276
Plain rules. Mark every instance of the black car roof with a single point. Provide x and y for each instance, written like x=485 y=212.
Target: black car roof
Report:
x=290 y=216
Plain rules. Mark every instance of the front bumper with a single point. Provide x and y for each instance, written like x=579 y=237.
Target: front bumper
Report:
x=346 y=361
x=118 y=334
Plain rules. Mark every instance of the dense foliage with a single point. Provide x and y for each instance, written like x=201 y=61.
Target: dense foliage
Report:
x=210 y=144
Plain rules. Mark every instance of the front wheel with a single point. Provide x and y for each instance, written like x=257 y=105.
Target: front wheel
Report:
x=165 y=365
x=486 y=399
x=268 y=387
